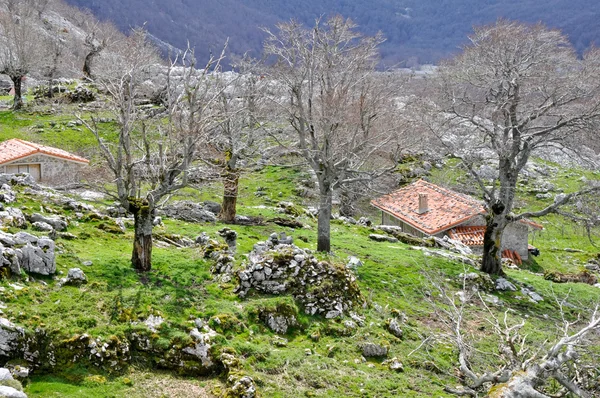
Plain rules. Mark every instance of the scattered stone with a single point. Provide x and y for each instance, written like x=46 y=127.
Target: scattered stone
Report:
x=66 y=236
x=444 y=254
x=354 y=263
x=383 y=238
x=12 y=217
x=154 y=322
x=394 y=328
x=533 y=296
x=394 y=364
x=42 y=226
x=364 y=221
x=189 y=211
x=5 y=374
x=75 y=277
x=201 y=349
x=87 y=263
x=504 y=285
x=11 y=337
x=242 y=388
x=372 y=350
x=56 y=223
x=230 y=237
x=7 y=195
x=20 y=372
x=280 y=342
x=10 y=392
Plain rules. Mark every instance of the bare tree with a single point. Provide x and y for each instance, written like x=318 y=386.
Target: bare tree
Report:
x=100 y=36
x=237 y=139
x=20 y=46
x=334 y=104
x=524 y=368
x=514 y=90
x=152 y=156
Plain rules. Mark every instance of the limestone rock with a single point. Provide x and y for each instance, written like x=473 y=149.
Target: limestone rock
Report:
x=154 y=322
x=189 y=211
x=7 y=195
x=202 y=344
x=9 y=392
x=504 y=285
x=372 y=350
x=42 y=226
x=275 y=267
x=353 y=263
x=11 y=338
x=12 y=217
x=39 y=259
x=383 y=238
x=394 y=364
x=394 y=328
x=242 y=388
x=75 y=277
x=56 y=223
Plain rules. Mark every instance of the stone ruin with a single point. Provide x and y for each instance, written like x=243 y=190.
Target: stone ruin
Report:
x=278 y=267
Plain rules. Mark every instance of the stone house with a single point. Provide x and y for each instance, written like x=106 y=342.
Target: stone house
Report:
x=425 y=209
x=45 y=164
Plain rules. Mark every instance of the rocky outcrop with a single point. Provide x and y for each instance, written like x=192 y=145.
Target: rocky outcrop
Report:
x=11 y=339
x=12 y=217
x=190 y=211
x=27 y=252
x=75 y=277
x=319 y=287
x=56 y=222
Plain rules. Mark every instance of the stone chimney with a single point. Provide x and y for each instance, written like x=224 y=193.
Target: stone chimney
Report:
x=423 y=206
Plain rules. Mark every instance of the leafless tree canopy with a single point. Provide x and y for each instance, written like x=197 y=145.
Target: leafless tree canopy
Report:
x=514 y=90
x=333 y=103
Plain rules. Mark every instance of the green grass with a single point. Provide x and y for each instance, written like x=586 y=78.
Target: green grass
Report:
x=180 y=288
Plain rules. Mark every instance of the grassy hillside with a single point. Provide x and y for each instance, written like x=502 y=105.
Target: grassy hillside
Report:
x=318 y=357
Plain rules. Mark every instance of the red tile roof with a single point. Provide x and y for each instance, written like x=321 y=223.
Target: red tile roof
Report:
x=15 y=149
x=470 y=236
x=446 y=208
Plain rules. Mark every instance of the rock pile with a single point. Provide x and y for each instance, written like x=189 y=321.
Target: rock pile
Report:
x=279 y=267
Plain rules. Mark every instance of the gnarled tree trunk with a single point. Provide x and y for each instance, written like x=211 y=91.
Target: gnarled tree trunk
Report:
x=141 y=257
x=231 y=179
x=18 y=98
x=324 y=221
x=492 y=239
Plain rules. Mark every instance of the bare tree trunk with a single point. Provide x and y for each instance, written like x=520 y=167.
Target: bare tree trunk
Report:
x=141 y=258
x=492 y=240
x=18 y=98
x=324 y=222
x=347 y=200
x=87 y=63
x=231 y=179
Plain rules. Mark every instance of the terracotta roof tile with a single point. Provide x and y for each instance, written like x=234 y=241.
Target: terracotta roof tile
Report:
x=15 y=149
x=446 y=208
x=470 y=236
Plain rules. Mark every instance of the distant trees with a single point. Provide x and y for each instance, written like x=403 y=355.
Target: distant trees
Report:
x=21 y=46
x=334 y=104
x=514 y=90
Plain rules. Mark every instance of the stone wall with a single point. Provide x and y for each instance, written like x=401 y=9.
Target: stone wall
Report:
x=515 y=238
x=55 y=171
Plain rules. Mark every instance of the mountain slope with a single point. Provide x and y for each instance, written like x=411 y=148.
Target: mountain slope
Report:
x=417 y=31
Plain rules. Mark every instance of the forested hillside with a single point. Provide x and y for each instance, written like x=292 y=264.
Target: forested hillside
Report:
x=416 y=31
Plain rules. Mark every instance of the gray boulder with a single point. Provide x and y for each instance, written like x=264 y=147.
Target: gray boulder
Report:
x=12 y=217
x=5 y=374
x=7 y=195
x=42 y=226
x=372 y=350
x=189 y=211
x=11 y=338
x=9 y=392
x=75 y=277
x=504 y=285
x=39 y=259
x=56 y=222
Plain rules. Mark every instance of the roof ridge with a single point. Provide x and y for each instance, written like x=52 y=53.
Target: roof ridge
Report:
x=28 y=143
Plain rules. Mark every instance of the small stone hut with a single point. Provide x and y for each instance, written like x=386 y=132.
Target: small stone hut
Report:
x=45 y=164
x=425 y=209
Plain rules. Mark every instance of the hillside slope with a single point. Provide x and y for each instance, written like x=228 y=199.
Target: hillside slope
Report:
x=417 y=31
